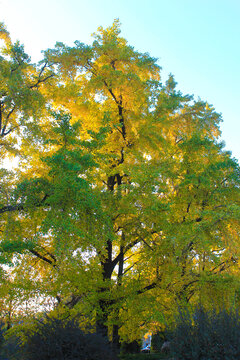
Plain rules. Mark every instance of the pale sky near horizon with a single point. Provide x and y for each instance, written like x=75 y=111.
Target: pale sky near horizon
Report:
x=198 y=41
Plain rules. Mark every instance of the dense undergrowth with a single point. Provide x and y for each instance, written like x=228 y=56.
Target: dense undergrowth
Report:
x=57 y=339
x=206 y=335
x=196 y=335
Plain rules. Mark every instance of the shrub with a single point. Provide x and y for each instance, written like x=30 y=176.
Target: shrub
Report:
x=1 y=333
x=206 y=335
x=62 y=339
x=10 y=349
x=130 y=347
x=157 y=341
x=1 y=338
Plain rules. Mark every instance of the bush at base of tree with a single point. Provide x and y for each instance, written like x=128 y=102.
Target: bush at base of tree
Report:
x=157 y=341
x=130 y=348
x=62 y=339
x=206 y=335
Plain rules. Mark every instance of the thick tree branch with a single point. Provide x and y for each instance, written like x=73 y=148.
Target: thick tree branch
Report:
x=19 y=207
x=147 y=288
x=39 y=81
x=42 y=257
x=10 y=208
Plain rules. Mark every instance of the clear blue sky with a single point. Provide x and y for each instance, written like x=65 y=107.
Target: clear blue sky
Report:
x=196 y=40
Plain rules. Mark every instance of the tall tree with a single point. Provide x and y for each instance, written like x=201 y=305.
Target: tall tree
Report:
x=129 y=194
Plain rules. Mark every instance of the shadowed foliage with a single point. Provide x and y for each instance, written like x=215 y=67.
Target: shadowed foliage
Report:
x=205 y=335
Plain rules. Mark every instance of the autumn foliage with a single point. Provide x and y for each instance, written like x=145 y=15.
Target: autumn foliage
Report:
x=124 y=202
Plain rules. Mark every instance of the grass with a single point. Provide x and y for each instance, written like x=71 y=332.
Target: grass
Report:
x=158 y=356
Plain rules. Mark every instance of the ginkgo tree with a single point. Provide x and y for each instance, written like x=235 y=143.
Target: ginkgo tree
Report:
x=125 y=202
